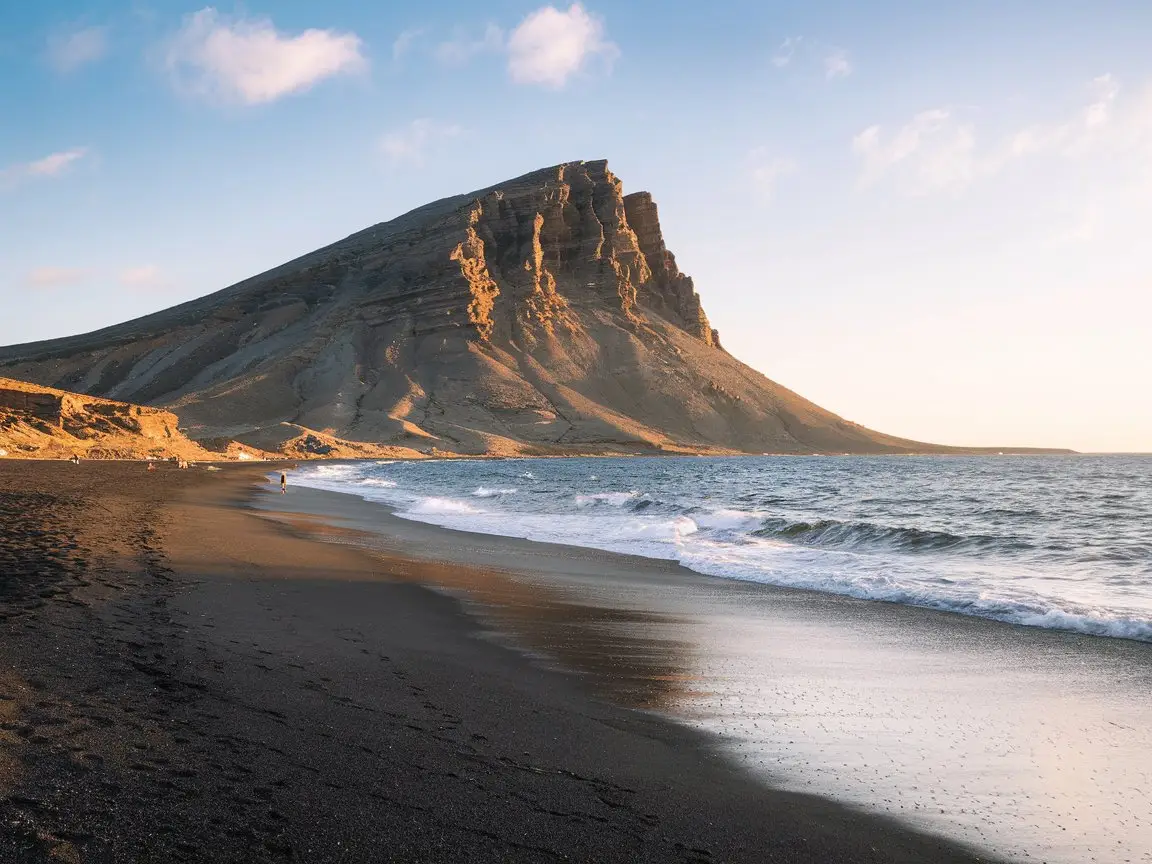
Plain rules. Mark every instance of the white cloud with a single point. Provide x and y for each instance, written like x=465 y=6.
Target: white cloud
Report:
x=1099 y=112
x=249 y=61
x=936 y=151
x=463 y=48
x=52 y=165
x=144 y=276
x=767 y=170
x=410 y=145
x=49 y=166
x=783 y=55
x=70 y=50
x=403 y=42
x=550 y=46
x=837 y=64
x=1085 y=229
x=51 y=277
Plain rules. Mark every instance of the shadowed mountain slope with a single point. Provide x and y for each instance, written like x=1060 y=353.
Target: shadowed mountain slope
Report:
x=541 y=315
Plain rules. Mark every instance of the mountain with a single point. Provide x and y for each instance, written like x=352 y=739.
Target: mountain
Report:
x=39 y=422
x=543 y=315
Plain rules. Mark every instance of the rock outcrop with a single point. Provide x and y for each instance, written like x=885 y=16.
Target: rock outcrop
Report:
x=40 y=422
x=542 y=315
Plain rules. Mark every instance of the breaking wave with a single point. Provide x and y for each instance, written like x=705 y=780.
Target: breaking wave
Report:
x=994 y=538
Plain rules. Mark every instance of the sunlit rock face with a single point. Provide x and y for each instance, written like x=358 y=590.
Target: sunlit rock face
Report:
x=541 y=315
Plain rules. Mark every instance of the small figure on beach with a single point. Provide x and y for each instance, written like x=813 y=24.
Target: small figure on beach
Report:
x=75 y=460
x=283 y=483
x=151 y=466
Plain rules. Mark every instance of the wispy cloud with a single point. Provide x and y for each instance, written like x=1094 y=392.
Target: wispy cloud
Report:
x=550 y=46
x=837 y=64
x=71 y=49
x=54 y=164
x=248 y=60
x=462 y=48
x=403 y=43
x=411 y=144
x=767 y=170
x=937 y=150
x=48 y=166
x=1073 y=134
x=53 y=277
x=787 y=50
x=143 y=276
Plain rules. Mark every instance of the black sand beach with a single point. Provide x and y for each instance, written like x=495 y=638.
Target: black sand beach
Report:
x=184 y=680
x=1030 y=743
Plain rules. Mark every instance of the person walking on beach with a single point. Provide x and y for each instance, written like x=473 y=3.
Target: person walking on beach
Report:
x=283 y=483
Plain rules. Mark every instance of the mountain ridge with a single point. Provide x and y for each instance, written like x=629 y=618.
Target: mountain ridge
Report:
x=543 y=315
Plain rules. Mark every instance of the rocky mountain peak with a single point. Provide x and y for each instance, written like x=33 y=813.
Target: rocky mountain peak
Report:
x=568 y=235
x=542 y=315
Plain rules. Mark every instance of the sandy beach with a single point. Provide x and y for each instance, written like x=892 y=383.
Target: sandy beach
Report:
x=186 y=679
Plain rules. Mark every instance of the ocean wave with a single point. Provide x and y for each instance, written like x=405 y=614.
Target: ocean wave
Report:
x=864 y=535
x=490 y=492
x=939 y=593
x=614 y=499
x=725 y=519
x=333 y=472
x=435 y=505
x=1004 y=552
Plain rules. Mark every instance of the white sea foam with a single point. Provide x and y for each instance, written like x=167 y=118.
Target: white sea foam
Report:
x=698 y=543
x=725 y=519
x=616 y=499
x=488 y=492
x=434 y=506
x=331 y=472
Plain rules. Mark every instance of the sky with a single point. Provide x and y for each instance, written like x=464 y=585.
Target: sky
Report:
x=932 y=219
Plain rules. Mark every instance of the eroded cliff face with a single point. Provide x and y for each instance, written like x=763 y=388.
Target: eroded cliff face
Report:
x=668 y=291
x=40 y=422
x=559 y=237
x=541 y=315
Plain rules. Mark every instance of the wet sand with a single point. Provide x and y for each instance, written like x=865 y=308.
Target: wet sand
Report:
x=1030 y=743
x=184 y=679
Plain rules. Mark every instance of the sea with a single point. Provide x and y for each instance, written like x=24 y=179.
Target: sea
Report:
x=1060 y=542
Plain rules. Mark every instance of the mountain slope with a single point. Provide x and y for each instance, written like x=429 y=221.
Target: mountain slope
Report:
x=541 y=315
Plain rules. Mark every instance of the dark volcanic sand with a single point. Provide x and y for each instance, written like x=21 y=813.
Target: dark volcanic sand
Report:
x=183 y=680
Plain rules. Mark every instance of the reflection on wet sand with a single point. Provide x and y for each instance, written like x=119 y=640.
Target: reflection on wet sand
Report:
x=627 y=655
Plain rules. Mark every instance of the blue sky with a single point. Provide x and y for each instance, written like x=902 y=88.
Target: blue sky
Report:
x=933 y=221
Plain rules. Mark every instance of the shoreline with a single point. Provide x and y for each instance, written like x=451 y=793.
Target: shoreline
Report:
x=267 y=695
x=1036 y=611
x=1001 y=681
x=670 y=452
